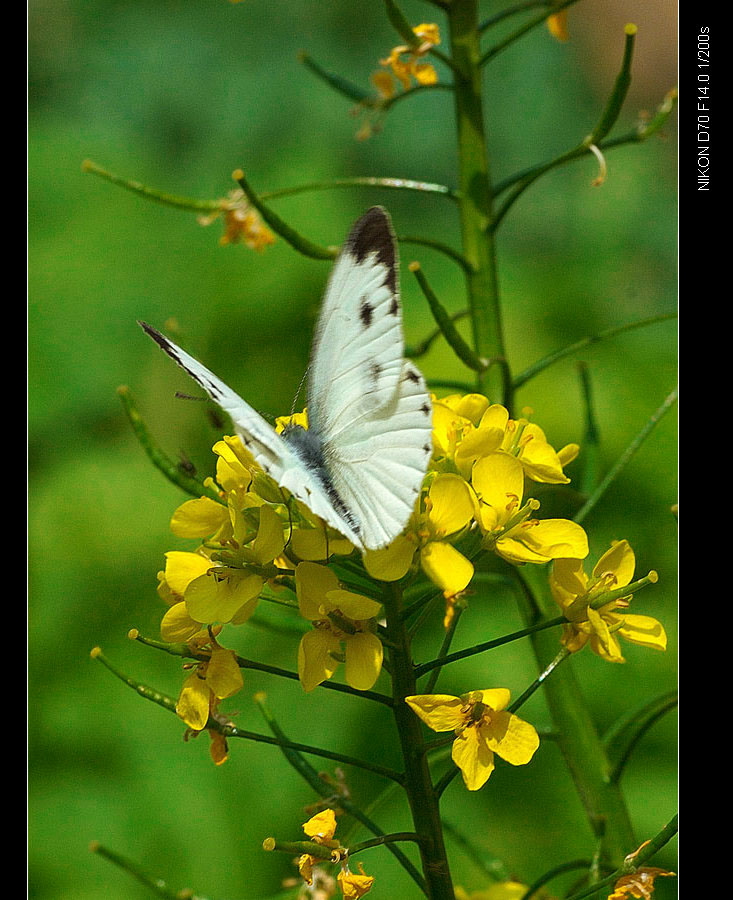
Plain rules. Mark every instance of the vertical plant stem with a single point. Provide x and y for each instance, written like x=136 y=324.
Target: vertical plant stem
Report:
x=418 y=783
x=476 y=201
x=578 y=738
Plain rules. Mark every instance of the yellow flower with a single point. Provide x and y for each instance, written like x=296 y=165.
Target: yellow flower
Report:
x=215 y=679
x=404 y=63
x=590 y=619
x=242 y=223
x=639 y=884
x=320 y=829
x=482 y=726
x=228 y=592
x=509 y=527
x=467 y=428
x=354 y=886
x=447 y=510
x=339 y=618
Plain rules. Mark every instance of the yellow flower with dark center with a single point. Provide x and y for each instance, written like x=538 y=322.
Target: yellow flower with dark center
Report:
x=590 y=619
x=340 y=619
x=510 y=527
x=483 y=727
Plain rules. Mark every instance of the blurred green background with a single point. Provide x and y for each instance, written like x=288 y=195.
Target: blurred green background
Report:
x=177 y=95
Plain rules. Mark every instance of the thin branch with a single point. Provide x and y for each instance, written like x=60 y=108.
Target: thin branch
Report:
x=536 y=368
x=524 y=29
x=626 y=457
x=406 y=184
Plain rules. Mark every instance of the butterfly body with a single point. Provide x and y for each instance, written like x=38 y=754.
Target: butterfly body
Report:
x=360 y=463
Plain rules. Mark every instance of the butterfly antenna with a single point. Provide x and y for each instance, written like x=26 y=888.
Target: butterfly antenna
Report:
x=300 y=388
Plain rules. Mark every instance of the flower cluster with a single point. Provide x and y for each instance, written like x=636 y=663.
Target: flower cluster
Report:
x=256 y=541
x=405 y=63
x=321 y=829
x=242 y=223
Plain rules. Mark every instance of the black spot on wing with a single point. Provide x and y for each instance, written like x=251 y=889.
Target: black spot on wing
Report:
x=411 y=375
x=375 y=370
x=425 y=409
x=366 y=312
x=394 y=307
x=372 y=233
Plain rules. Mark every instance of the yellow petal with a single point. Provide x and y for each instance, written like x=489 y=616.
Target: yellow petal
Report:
x=198 y=518
x=353 y=887
x=473 y=757
x=539 y=459
x=451 y=504
x=496 y=698
x=441 y=712
x=270 y=539
x=312 y=583
x=568 y=453
x=193 y=702
x=644 y=630
x=470 y=406
x=353 y=606
x=619 y=561
x=474 y=445
x=177 y=625
x=181 y=568
x=223 y=674
x=364 y=655
x=315 y=663
x=539 y=541
x=511 y=737
x=446 y=567
x=568 y=580
x=602 y=639
x=322 y=825
x=496 y=416
x=392 y=562
x=424 y=73
x=498 y=479
x=210 y=600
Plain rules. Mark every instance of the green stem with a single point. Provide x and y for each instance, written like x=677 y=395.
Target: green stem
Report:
x=536 y=368
x=416 y=350
x=158 y=457
x=326 y=790
x=578 y=738
x=444 y=321
x=489 y=645
x=405 y=184
x=626 y=457
x=635 y=861
x=550 y=10
x=476 y=204
x=417 y=783
x=296 y=240
x=156 y=885
x=185 y=651
x=445 y=647
x=136 y=187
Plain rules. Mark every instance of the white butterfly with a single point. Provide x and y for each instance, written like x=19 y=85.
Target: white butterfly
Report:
x=360 y=464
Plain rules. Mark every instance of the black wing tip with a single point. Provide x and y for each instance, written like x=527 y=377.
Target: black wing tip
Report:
x=372 y=233
x=159 y=339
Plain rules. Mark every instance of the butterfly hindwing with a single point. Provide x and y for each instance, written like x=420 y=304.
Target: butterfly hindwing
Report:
x=379 y=463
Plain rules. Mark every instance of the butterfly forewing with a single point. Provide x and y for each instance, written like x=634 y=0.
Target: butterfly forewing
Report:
x=361 y=466
x=358 y=346
x=269 y=450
